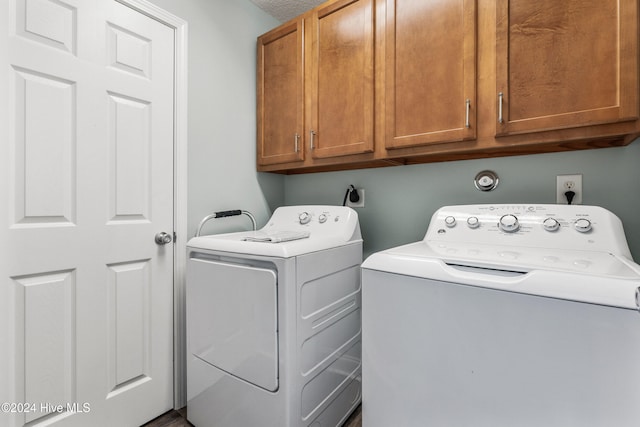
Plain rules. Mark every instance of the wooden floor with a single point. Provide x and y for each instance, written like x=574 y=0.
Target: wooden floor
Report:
x=179 y=419
x=170 y=419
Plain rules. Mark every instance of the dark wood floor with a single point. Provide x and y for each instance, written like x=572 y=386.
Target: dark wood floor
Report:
x=179 y=419
x=171 y=419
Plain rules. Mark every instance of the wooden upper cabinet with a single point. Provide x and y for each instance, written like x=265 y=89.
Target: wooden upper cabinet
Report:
x=565 y=64
x=364 y=83
x=430 y=72
x=281 y=95
x=341 y=72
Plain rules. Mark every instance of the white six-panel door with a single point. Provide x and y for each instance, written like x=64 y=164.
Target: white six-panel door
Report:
x=86 y=166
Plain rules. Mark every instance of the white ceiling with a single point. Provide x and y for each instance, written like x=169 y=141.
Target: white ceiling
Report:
x=283 y=10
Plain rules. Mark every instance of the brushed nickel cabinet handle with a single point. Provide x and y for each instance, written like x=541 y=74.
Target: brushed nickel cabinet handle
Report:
x=500 y=117
x=467 y=124
x=296 y=141
x=313 y=133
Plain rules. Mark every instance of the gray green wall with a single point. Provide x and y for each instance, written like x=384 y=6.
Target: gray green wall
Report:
x=400 y=200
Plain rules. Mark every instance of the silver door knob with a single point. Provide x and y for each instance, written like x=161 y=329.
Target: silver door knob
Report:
x=163 y=238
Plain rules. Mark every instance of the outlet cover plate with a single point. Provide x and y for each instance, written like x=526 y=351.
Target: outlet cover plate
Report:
x=359 y=203
x=562 y=186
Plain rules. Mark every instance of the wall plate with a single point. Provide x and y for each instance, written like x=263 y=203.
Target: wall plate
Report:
x=566 y=183
x=359 y=203
x=486 y=180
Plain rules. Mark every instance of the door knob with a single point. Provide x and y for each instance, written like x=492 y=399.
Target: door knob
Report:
x=163 y=238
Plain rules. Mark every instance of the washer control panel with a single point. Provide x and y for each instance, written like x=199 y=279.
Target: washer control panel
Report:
x=542 y=226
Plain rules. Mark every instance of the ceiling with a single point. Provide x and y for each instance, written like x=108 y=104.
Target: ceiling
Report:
x=283 y=10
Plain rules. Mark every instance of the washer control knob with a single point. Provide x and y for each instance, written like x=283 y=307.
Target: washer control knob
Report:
x=322 y=218
x=583 y=225
x=551 y=224
x=509 y=223
x=304 y=218
x=450 y=221
x=473 y=222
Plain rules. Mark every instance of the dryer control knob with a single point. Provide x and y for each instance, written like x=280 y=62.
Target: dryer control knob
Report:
x=473 y=222
x=450 y=221
x=304 y=218
x=551 y=224
x=583 y=225
x=509 y=223
x=322 y=218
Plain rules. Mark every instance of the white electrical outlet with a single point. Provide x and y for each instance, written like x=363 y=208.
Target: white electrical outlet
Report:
x=359 y=203
x=565 y=183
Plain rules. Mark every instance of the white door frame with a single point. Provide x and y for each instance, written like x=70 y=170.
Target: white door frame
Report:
x=180 y=28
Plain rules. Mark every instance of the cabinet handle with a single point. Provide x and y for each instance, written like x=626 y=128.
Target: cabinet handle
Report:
x=296 y=140
x=313 y=133
x=466 y=122
x=500 y=118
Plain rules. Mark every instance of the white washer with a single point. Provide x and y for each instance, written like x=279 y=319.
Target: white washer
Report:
x=274 y=323
x=504 y=315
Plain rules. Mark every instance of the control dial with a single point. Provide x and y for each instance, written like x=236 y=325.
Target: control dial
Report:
x=551 y=224
x=583 y=225
x=304 y=218
x=322 y=218
x=450 y=221
x=509 y=223
x=473 y=222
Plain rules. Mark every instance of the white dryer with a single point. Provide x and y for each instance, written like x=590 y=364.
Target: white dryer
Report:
x=274 y=322
x=504 y=315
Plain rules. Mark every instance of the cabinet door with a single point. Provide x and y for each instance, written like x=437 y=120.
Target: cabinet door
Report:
x=563 y=64
x=341 y=68
x=281 y=95
x=430 y=67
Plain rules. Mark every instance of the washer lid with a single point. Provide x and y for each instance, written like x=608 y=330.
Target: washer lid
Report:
x=516 y=258
x=592 y=277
